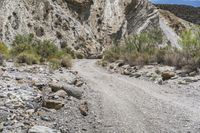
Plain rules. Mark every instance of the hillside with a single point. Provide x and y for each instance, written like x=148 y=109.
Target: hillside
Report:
x=84 y=25
x=97 y=66
x=188 y=13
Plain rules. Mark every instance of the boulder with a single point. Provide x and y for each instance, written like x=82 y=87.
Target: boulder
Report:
x=73 y=91
x=167 y=75
x=42 y=129
x=56 y=86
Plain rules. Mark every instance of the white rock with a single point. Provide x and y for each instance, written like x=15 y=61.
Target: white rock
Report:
x=42 y=129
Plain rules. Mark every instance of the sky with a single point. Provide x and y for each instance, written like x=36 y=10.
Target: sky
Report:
x=183 y=2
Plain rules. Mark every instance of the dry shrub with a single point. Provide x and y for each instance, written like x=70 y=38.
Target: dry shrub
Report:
x=54 y=63
x=27 y=58
x=66 y=61
x=112 y=54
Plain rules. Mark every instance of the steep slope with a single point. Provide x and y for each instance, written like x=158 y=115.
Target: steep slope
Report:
x=189 y=13
x=85 y=25
x=172 y=26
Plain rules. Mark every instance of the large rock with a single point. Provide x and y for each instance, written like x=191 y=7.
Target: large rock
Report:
x=167 y=75
x=42 y=129
x=73 y=91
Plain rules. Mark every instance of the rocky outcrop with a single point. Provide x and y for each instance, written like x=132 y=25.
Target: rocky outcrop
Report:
x=87 y=26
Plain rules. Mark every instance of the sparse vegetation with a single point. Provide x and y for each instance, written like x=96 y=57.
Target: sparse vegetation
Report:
x=4 y=50
x=46 y=49
x=137 y=50
x=54 y=63
x=143 y=49
x=29 y=50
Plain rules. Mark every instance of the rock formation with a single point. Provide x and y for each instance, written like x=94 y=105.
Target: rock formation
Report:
x=87 y=26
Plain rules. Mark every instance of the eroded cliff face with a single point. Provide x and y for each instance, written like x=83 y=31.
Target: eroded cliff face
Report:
x=85 y=25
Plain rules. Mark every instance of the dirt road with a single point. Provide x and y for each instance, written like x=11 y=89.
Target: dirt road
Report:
x=134 y=106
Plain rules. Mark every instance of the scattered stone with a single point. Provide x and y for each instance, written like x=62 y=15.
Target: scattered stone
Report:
x=78 y=83
x=84 y=108
x=56 y=86
x=192 y=74
x=126 y=67
x=53 y=104
x=1 y=127
x=157 y=71
x=42 y=129
x=40 y=85
x=46 y=118
x=182 y=83
x=3 y=116
x=30 y=111
x=167 y=75
x=18 y=78
x=126 y=72
x=120 y=63
x=38 y=98
x=73 y=91
x=190 y=80
x=61 y=93
x=159 y=81
x=136 y=75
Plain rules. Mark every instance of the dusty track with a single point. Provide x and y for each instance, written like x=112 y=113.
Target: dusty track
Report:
x=135 y=106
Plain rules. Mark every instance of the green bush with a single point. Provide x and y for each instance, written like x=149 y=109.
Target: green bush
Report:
x=26 y=43
x=27 y=58
x=190 y=41
x=46 y=49
x=20 y=48
x=23 y=39
x=22 y=43
x=4 y=49
x=143 y=49
x=138 y=49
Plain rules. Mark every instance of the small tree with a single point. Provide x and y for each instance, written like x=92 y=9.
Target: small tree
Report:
x=190 y=41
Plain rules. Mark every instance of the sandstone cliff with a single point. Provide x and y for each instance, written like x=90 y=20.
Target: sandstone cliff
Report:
x=85 y=25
